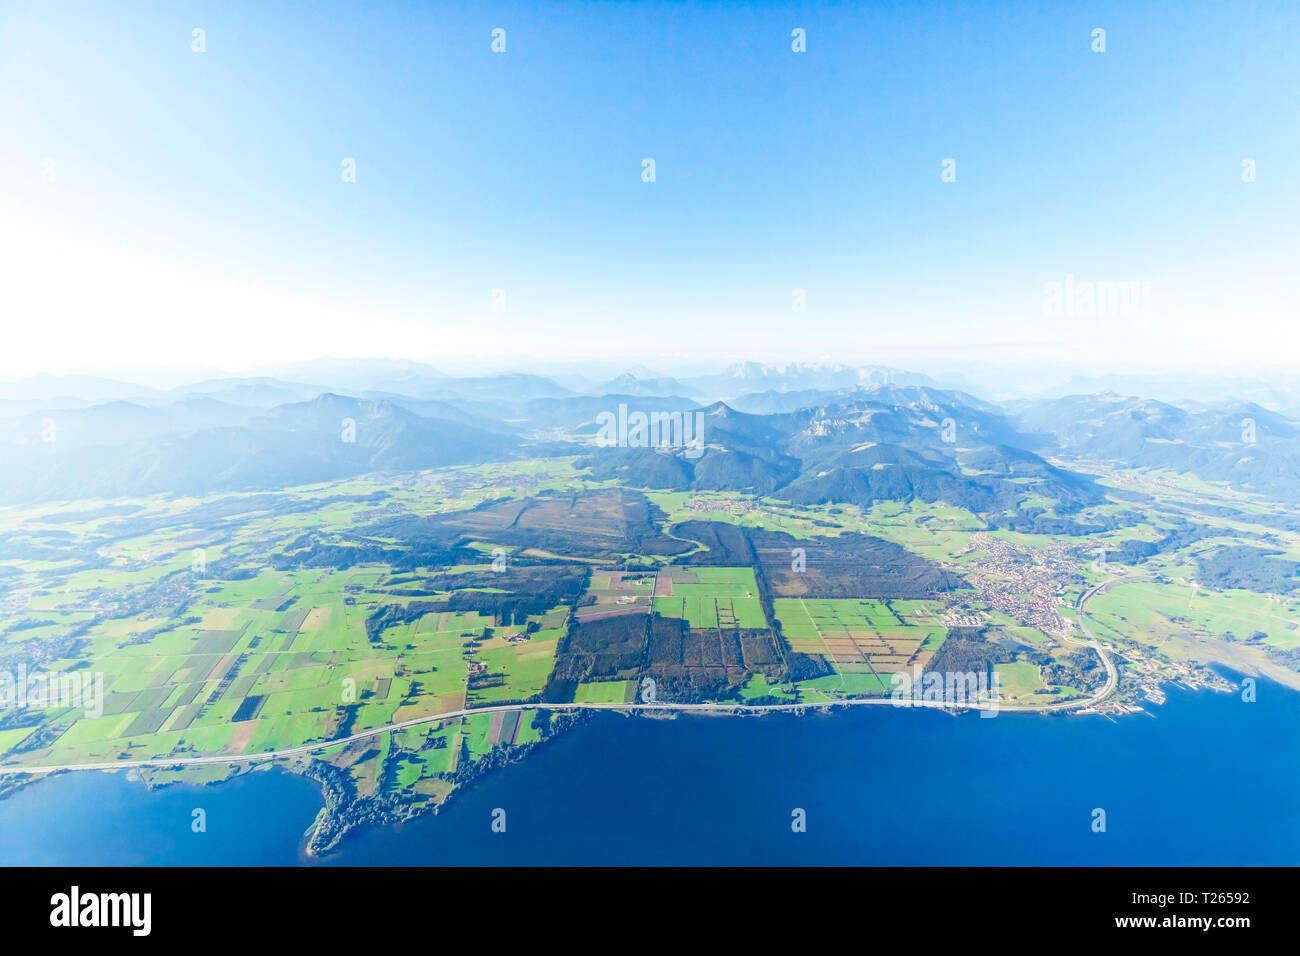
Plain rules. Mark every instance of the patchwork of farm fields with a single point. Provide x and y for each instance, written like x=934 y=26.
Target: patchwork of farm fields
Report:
x=284 y=658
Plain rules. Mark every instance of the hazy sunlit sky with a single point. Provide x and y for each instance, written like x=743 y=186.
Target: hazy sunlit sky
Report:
x=197 y=216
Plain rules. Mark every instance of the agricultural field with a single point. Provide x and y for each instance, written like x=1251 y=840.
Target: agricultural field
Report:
x=710 y=597
x=865 y=640
x=611 y=592
x=747 y=511
x=606 y=692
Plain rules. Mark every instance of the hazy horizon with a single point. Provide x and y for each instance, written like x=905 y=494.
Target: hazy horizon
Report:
x=989 y=380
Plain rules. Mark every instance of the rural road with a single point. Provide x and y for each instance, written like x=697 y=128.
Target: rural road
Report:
x=161 y=763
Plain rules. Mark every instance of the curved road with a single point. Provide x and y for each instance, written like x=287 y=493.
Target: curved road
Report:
x=1112 y=679
x=1112 y=675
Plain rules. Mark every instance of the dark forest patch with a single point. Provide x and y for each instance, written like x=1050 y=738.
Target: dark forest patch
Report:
x=966 y=651
x=686 y=664
x=1253 y=569
x=847 y=566
x=597 y=524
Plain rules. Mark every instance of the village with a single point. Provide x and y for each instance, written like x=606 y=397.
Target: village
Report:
x=1026 y=585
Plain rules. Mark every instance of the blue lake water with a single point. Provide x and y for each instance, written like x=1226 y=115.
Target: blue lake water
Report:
x=1209 y=779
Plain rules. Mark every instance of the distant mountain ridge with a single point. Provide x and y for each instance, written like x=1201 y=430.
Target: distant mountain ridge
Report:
x=815 y=433
x=887 y=443
x=1240 y=443
x=327 y=438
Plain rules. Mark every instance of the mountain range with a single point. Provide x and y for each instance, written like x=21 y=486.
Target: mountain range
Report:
x=804 y=433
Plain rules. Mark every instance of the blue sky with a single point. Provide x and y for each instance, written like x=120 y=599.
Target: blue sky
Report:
x=197 y=214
